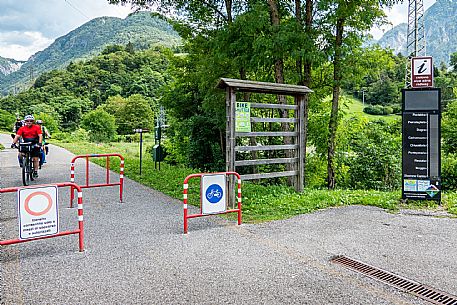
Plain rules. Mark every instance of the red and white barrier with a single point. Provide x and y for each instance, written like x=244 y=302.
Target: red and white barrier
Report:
x=185 y=195
x=79 y=231
x=107 y=183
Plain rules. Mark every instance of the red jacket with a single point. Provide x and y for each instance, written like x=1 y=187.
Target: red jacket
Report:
x=31 y=132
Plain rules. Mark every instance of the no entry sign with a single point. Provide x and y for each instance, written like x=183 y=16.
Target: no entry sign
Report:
x=38 y=213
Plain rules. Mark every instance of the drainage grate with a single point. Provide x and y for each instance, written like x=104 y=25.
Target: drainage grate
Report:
x=425 y=292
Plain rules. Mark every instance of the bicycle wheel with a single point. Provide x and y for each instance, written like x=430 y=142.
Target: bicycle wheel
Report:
x=31 y=169
x=25 y=170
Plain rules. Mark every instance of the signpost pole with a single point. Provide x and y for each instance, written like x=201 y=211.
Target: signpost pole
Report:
x=141 y=149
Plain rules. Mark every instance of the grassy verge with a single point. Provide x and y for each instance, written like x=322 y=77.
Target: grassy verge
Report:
x=354 y=107
x=260 y=203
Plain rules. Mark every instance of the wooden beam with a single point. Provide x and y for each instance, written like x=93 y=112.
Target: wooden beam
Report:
x=262 y=87
x=267 y=134
x=266 y=147
x=274 y=120
x=266 y=161
x=274 y=106
x=268 y=175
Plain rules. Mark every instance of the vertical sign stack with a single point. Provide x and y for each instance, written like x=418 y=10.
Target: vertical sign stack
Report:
x=421 y=174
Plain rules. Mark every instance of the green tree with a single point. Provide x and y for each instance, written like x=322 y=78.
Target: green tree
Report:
x=130 y=113
x=100 y=125
x=374 y=154
x=346 y=22
x=7 y=120
x=49 y=121
x=449 y=128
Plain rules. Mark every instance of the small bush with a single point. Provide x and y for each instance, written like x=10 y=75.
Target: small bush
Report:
x=396 y=109
x=374 y=110
x=100 y=125
x=387 y=110
x=79 y=135
x=379 y=110
x=449 y=172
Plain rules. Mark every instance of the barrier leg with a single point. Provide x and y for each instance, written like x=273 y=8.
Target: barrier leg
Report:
x=121 y=180
x=239 y=201
x=80 y=221
x=72 y=196
x=185 y=219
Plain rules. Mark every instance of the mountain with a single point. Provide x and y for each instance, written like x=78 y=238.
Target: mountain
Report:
x=141 y=29
x=440 y=22
x=8 y=66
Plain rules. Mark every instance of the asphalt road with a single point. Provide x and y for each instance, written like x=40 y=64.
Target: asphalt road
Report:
x=136 y=252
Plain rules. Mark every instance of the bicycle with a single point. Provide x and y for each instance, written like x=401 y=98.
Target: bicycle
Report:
x=25 y=148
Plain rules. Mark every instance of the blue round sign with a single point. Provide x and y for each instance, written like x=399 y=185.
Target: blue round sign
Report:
x=214 y=193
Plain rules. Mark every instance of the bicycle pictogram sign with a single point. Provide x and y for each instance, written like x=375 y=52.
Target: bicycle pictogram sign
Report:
x=214 y=193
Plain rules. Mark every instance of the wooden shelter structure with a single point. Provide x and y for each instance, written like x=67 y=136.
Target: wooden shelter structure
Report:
x=296 y=170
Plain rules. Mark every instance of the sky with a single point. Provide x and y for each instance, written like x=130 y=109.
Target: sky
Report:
x=29 y=26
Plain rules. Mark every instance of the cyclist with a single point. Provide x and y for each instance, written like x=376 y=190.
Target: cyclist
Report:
x=19 y=123
x=46 y=135
x=31 y=133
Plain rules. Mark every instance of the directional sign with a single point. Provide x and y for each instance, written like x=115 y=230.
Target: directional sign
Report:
x=213 y=194
x=421 y=159
x=421 y=72
x=38 y=213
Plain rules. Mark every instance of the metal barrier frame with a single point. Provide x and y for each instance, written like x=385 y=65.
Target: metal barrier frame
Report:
x=87 y=185
x=200 y=175
x=79 y=231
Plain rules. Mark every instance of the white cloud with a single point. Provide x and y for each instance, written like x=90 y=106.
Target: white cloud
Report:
x=28 y=26
x=21 y=45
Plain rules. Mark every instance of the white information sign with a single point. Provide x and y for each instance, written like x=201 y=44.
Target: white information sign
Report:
x=38 y=213
x=213 y=194
x=421 y=72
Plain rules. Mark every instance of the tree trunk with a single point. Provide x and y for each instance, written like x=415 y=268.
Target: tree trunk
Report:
x=228 y=8
x=333 y=123
x=305 y=76
x=279 y=78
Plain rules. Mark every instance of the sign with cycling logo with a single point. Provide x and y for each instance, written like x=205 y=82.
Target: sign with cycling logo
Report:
x=38 y=212
x=213 y=194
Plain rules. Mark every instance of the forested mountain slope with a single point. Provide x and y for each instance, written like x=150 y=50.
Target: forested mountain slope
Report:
x=141 y=30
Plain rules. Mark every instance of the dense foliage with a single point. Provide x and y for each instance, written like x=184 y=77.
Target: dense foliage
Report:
x=123 y=88
x=133 y=77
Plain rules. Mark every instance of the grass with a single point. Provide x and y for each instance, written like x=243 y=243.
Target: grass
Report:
x=355 y=107
x=260 y=203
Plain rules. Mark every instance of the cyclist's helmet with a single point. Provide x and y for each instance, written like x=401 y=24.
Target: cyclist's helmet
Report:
x=39 y=122
x=29 y=117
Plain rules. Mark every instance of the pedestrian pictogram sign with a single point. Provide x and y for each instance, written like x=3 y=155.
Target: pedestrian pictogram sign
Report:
x=38 y=213
x=421 y=72
x=213 y=194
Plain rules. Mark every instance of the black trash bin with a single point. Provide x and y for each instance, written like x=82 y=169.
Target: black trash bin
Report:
x=157 y=153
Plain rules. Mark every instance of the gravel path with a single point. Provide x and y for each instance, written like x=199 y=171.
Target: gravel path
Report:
x=136 y=252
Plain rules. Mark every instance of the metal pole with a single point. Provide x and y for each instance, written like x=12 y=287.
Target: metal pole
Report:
x=141 y=149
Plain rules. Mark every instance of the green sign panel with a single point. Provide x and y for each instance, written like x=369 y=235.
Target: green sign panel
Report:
x=243 y=117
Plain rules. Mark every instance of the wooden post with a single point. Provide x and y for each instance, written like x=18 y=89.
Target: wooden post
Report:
x=232 y=140
x=301 y=144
